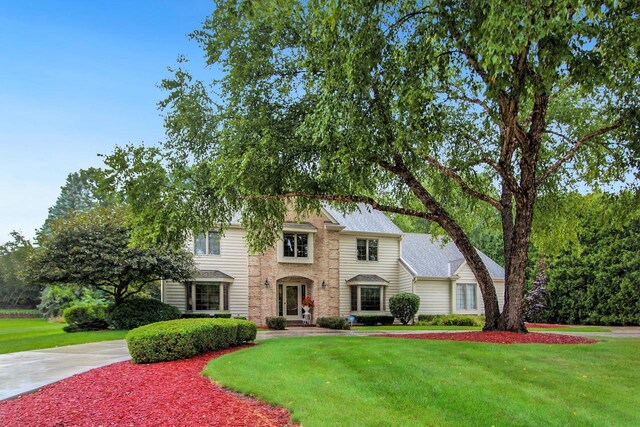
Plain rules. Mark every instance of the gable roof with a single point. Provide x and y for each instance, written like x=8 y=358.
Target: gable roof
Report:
x=364 y=219
x=428 y=257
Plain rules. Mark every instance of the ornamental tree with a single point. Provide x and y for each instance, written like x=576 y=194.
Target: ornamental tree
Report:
x=421 y=108
x=92 y=249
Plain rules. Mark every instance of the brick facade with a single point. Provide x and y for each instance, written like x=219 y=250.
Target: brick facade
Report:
x=263 y=300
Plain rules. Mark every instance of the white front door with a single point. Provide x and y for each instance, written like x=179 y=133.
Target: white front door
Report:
x=291 y=302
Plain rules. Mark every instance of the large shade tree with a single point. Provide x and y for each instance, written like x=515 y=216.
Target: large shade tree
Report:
x=93 y=249
x=420 y=108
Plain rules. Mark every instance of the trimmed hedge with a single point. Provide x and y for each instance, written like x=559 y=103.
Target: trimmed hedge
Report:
x=374 y=319
x=451 y=320
x=278 y=323
x=195 y=316
x=333 y=322
x=404 y=306
x=205 y=316
x=184 y=338
x=85 y=318
x=137 y=312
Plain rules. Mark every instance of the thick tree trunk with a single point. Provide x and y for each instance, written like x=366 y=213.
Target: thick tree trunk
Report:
x=479 y=269
x=512 y=318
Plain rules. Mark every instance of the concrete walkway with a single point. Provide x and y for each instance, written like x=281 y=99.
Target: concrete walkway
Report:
x=26 y=371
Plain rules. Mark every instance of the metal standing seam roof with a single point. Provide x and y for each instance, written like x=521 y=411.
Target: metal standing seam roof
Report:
x=429 y=257
x=364 y=219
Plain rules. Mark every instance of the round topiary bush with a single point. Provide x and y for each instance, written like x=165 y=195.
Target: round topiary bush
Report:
x=404 y=306
x=85 y=318
x=136 y=312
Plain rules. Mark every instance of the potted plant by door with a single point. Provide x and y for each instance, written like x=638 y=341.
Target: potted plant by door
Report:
x=307 y=304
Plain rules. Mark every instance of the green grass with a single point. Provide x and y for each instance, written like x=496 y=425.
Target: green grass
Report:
x=472 y=328
x=33 y=334
x=371 y=381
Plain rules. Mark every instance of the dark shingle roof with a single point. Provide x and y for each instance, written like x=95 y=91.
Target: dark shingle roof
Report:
x=428 y=257
x=364 y=219
x=371 y=278
x=213 y=274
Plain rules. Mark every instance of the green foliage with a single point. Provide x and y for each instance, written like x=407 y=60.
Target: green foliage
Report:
x=404 y=306
x=184 y=338
x=221 y=316
x=85 y=318
x=601 y=284
x=374 y=319
x=55 y=299
x=279 y=323
x=333 y=322
x=93 y=249
x=80 y=193
x=16 y=290
x=450 y=320
x=136 y=312
x=195 y=316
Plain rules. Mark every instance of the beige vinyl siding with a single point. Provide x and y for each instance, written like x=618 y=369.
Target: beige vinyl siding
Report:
x=405 y=278
x=434 y=296
x=386 y=267
x=233 y=260
x=174 y=294
x=465 y=275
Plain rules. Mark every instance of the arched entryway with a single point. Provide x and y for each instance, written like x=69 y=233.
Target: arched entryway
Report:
x=291 y=292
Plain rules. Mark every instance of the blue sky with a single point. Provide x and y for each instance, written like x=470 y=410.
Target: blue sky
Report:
x=76 y=79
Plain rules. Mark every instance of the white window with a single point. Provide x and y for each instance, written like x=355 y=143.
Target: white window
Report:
x=207 y=244
x=208 y=296
x=295 y=245
x=367 y=298
x=367 y=249
x=466 y=296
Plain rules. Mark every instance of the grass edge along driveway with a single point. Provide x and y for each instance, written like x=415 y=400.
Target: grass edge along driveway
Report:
x=36 y=334
x=373 y=381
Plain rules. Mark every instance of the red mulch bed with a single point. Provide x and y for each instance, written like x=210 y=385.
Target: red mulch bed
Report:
x=126 y=394
x=544 y=325
x=498 y=337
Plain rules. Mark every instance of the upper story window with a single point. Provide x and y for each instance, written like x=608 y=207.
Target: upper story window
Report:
x=367 y=249
x=296 y=245
x=207 y=244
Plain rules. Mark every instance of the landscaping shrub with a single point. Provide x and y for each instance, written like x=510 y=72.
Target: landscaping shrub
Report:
x=404 y=306
x=277 y=323
x=333 y=322
x=136 y=312
x=222 y=316
x=195 y=316
x=184 y=338
x=374 y=319
x=85 y=318
x=451 y=320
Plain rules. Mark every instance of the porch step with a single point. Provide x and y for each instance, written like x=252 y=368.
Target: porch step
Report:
x=297 y=323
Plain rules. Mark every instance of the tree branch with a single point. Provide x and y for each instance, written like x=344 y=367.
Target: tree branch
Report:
x=347 y=199
x=576 y=146
x=466 y=188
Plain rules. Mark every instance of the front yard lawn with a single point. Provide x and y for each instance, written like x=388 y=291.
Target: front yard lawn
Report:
x=373 y=381
x=33 y=334
x=474 y=328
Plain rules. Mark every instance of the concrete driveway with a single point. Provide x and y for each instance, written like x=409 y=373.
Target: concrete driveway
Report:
x=26 y=371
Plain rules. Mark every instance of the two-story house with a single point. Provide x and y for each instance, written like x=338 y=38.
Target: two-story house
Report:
x=349 y=264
